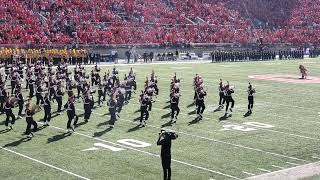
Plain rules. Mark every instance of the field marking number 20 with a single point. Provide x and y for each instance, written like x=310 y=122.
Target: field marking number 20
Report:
x=253 y=126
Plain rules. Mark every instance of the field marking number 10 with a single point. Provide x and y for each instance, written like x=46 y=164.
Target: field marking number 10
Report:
x=253 y=126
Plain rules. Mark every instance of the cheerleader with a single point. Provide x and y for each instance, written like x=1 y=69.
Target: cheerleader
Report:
x=251 y=91
x=303 y=72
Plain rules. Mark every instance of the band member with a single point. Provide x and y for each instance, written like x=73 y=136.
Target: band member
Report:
x=128 y=89
x=303 y=72
x=9 y=114
x=120 y=102
x=112 y=110
x=164 y=140
x=47 y=110
x=175 y=107
x=52 y=90
x=228 y=96
x=79 y=86
x=71 y=112
x=59 y=96
x=28 y=77
x=200 y=102
x=221 y=94
x=100 y=94
x=145 y=105
x=20 y=100
x=30 y=110
x=31 y=87
x=87 y=103
x=3 y=97
x=69 y=88
x=14 y=78
x=251 y=91
x=39 y=93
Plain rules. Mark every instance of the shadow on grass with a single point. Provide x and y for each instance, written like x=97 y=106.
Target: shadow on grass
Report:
x=4 y=131
x=192 y=112
x=103 y=124
x=165 y=116
x=58 y=137
x=247 y=114
x=18 y=142
x=167 y=124
x=167 y=107
x=98 y=134
x=195 y=121
x=137 y=127
x=2 y=123
x=82 y=123
x=190 y=105
x=225 y=117
x=218 y=109
x=136 y=119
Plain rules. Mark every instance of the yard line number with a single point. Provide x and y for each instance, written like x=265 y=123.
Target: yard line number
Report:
x=246 y=127
x=128 y=142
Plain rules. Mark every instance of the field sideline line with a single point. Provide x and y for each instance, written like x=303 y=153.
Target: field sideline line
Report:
x=38 y=161
x=145 y=152
x=218 y=141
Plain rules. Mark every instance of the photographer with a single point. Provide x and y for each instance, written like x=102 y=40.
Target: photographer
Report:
x=164 y=140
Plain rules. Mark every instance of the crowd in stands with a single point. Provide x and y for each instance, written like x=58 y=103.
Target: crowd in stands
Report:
x=49 y=22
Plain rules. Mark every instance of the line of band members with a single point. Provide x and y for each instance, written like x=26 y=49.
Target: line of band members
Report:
x=8 y=53
x=47 y=84
x=222 y=56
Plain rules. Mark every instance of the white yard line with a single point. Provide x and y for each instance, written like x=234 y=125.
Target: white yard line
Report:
x=315 y=157
x=295 y=164
x=277 y=166
x=148 y=153
x=46 y=164
x=251 y=174
x=261 y=169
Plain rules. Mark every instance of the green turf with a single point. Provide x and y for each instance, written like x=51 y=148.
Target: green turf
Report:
x=290 y=108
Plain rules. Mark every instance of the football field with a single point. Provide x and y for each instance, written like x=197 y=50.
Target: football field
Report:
x=282 y=132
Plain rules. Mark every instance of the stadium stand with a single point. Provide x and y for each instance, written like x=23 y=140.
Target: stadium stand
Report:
x=158 y=21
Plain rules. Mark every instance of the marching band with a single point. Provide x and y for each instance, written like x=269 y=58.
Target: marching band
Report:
x=50 y=85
